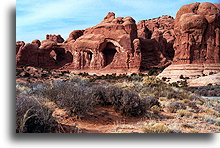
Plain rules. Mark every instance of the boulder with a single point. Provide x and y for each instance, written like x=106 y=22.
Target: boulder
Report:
x=56 y=38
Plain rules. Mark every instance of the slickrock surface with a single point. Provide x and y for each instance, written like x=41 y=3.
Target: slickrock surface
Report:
x=192 y=71
x=206 y=80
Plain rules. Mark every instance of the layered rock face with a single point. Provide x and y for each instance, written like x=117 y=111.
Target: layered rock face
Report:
x=114 y=44
x=157 y=38
x=118 y=43
x=196 y=42
x=46 y=54
x=108 y=45
x=197 y=34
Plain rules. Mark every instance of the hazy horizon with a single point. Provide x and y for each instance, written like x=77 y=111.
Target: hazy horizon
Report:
x=34 y=20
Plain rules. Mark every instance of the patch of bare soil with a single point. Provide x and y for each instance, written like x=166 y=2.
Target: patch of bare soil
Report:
x=107 y=120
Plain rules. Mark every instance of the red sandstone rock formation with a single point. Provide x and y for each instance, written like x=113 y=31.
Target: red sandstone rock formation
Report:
x=74 y=35
x=196 y=43
x=157 y=38
x=120 y=43
x=46 y=54
x=197 y=34
x=19 y=44
x=115 y=43
x=56 y=38
x=108 y=45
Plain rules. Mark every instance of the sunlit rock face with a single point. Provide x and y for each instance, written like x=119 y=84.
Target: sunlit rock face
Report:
x=197 y=34
x=196 y=43
x=117 y=43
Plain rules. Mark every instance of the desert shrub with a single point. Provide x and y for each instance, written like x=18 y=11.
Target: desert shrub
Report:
x=33 y=117
x=131 y=104
x=212 y=112
x=211 y=73
x=126 y=102
x=184 y=113
x=162 y=98
x=156 y=128
x=164 y=78
x=198 y=116
x=183 y=83
x=81 y=97
x=136 y=78
x=192 y=105
x=173 y=95
x=194 y=97
x=181 y=77
x=174 y=106
x=155 y=109
x=187 y=125
x=186 y=101
x=151 y=80
x=174 y=84
x=77 y=99
x=206 y=90
x=151 y=101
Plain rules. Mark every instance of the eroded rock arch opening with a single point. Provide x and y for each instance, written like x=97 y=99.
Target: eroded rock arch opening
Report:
x=108 y=53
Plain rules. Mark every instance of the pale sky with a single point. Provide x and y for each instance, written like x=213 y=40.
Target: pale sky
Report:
x=36 y=18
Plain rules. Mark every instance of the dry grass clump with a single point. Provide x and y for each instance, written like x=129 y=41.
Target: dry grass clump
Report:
x=187 y=125
x=185 y=101
x=174 y=106
x=212 y=112
x=193 y=131
x=33 y=117
x=156 y=128
x=198 y=116
x=151 y=80
x=184 y=113
x=155 y=109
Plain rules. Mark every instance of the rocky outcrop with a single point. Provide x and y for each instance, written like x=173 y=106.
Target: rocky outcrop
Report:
x=45 y=54
x=206 y=80
x=119 y=44
x=196 y=42
x=19 y=44
x=190 y=71
x=107 y=45
x=197 y=34
x=55 y=38
x=157 y=38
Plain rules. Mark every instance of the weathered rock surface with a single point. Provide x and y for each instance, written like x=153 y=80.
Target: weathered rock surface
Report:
x=19 y=44
x=45 y=54
x=157 y=38
x=116 y=44
x=55 y=38
x=206 y=80
x=192 y=71
x=197 y=34
x=196 y=44
x=119 y=44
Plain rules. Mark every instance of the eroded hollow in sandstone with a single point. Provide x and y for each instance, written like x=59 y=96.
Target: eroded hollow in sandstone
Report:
x=108 y=53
